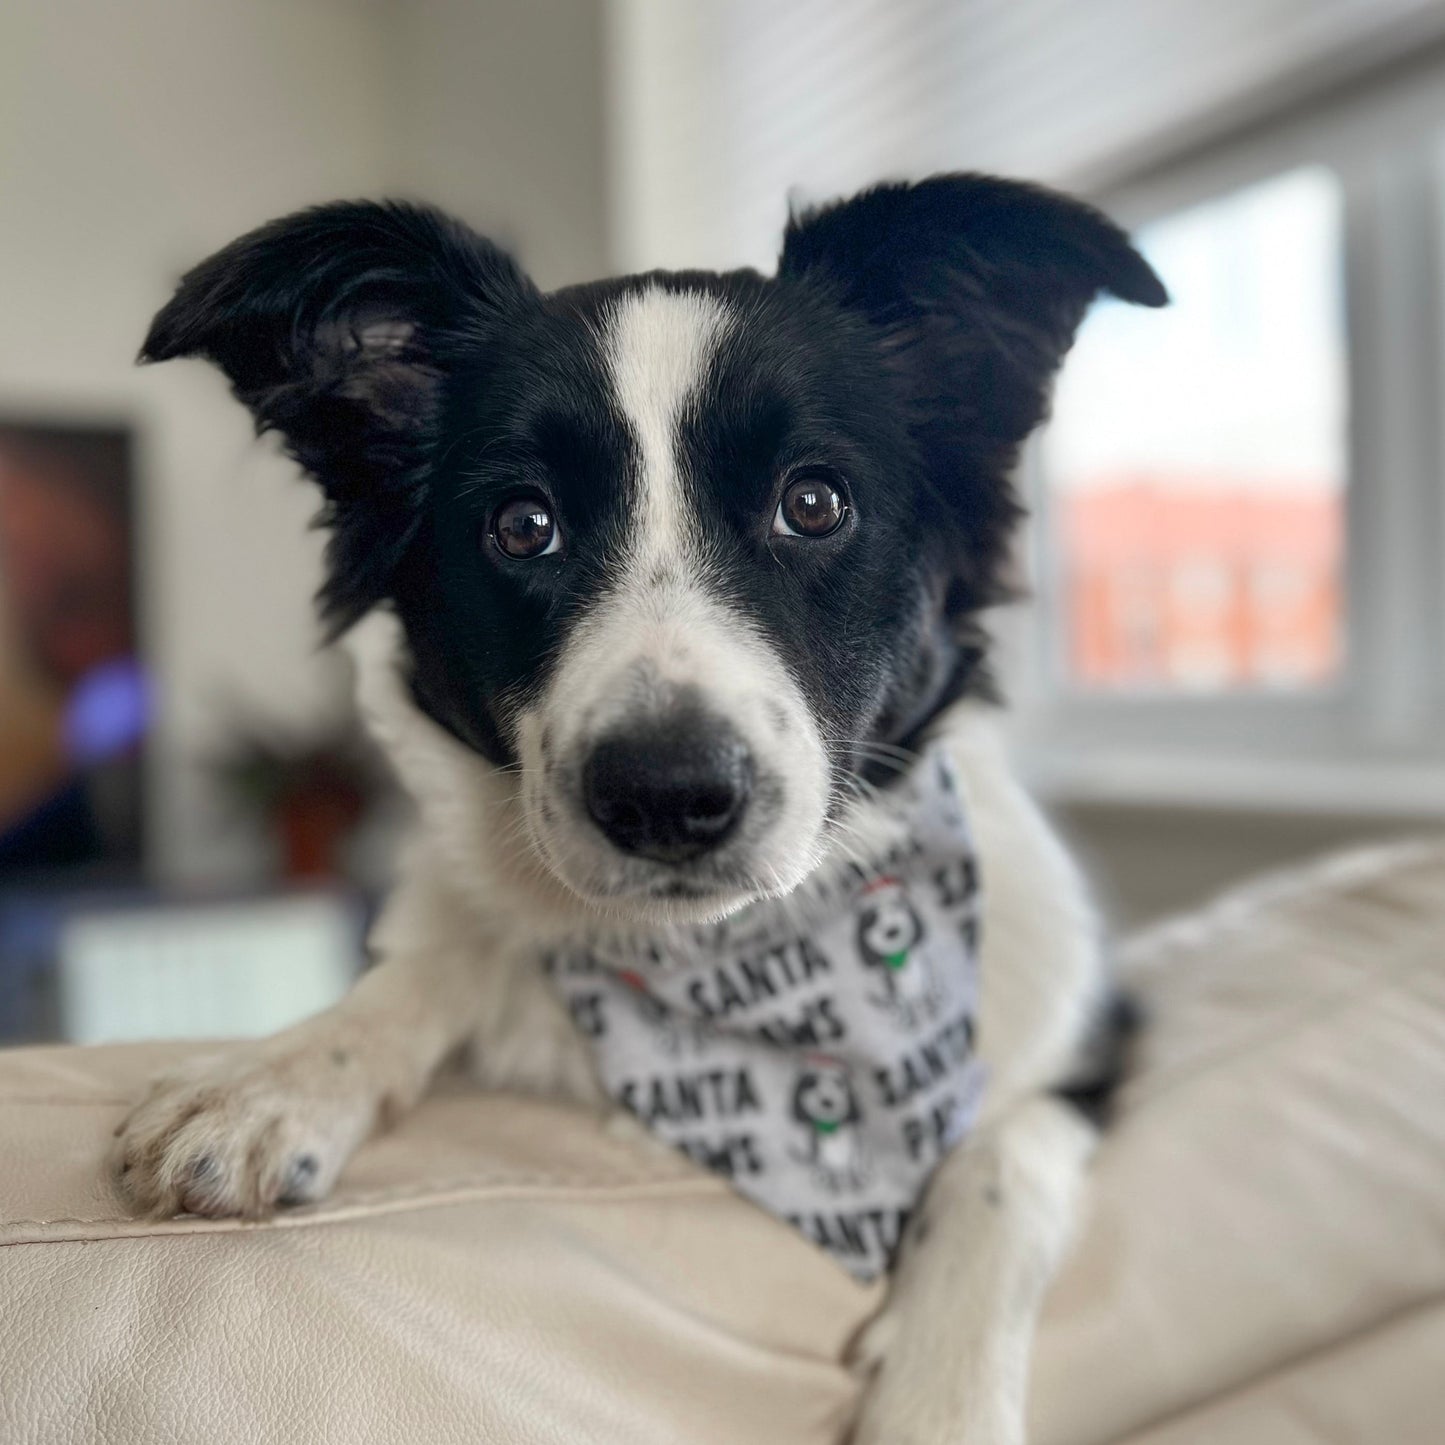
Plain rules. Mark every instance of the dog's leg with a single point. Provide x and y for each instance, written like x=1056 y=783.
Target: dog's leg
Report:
x=273 y=1122
x=949 y=1351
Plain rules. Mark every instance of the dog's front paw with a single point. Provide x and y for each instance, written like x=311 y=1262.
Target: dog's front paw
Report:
x=241 y=1134
x=907 y=1401
x=871 y=1345
x=893 y=1412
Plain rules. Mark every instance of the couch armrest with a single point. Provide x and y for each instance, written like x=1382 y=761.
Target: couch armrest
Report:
x=1267 y=1221
x=493 y=1270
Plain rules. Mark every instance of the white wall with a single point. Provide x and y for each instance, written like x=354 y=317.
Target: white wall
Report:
x=727 y=108
x=501 y=118
x=1149 y=862
x=136 y=138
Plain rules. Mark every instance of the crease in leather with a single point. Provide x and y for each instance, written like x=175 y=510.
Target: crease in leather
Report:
x=386 y=1201
x=712 y=1330
x=1217 y=1397
x=717 y=1333
x=91 y=1101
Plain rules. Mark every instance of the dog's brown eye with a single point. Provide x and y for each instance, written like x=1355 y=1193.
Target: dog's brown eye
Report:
x=523 y=527
x=812 y=506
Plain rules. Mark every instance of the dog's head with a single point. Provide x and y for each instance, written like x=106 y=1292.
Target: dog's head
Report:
x=678 y=549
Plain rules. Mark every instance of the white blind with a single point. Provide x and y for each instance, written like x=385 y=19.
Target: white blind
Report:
x=723 y=108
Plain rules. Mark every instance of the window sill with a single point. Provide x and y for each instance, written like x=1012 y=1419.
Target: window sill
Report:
x=1321 y=785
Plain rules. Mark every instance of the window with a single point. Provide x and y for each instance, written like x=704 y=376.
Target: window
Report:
x=1238 y=549
x=1197 y=457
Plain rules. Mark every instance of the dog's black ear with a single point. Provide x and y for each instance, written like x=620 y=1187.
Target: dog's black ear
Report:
x=336 y=327
x=986 y=277
x=977 y=286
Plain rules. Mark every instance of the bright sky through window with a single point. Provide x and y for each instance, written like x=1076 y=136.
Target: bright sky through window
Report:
x=1197 y=457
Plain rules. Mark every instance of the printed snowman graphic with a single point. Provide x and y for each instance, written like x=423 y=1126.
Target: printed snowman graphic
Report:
x=674 y=1032
x=825 y=1104
x=891 y=942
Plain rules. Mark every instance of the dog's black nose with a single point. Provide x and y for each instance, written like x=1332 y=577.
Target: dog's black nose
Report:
x=671 y=789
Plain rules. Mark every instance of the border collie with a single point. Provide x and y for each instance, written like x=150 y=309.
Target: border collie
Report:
x=672 y=589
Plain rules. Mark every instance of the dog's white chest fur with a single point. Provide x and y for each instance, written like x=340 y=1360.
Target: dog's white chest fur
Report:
x=819 y=1053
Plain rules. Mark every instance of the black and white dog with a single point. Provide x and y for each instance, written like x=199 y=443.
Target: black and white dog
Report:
x=661 y=573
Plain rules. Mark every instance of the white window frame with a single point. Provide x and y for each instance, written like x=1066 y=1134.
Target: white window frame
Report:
x=1374 y=741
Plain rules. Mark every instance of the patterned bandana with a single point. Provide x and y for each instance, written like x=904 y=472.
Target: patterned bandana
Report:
x=818 y=1052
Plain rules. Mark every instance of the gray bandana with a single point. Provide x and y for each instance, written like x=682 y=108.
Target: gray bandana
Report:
x=817 y=1052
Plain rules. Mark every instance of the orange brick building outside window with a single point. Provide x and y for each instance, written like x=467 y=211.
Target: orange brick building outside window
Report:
x=1201 y=584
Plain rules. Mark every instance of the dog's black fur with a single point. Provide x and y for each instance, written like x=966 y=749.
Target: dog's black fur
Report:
x=903 y=351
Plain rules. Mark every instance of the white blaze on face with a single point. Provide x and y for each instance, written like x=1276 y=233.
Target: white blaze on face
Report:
x=659 y=627
x=659 y=344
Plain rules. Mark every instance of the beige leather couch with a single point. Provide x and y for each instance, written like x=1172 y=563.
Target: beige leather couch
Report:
x=1264 y=1260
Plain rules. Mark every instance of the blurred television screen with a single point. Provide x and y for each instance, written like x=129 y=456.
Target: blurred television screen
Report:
x=73 y=694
